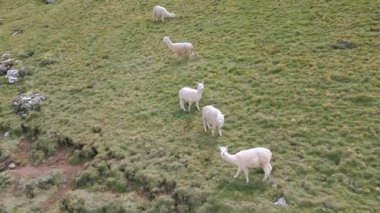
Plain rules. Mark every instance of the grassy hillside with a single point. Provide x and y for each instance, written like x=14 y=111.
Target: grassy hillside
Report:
x=270 y=66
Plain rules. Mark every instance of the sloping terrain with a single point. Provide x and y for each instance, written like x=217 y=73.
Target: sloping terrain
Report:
x=298 y=77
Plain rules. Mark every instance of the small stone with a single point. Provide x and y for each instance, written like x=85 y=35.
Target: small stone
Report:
x=12 y=166
x=16 y=31
x=50 y=1
x=3 y=69
x=6 y=135
x=280 y=202
x=12 y=76
x=8 y=62
x=96 y=129
x=5 y=57
x=342 y=44
x=274 y=186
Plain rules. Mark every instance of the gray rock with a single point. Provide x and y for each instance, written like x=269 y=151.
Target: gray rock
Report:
x=50 y=1
x=280 y=202
x=24 y=103
x=342 y=44
x=6 y=135
x=16 y=31
x=12 y=166
x=9 y=62
x=5 y=57
x=12 y=76
x=3 y=69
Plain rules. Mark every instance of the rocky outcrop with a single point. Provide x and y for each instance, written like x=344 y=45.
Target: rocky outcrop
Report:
x=25 y=103
x=12 y=69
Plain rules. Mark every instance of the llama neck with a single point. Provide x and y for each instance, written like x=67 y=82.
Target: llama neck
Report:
x=229 y=158
x=170 y=44
x=200 y=91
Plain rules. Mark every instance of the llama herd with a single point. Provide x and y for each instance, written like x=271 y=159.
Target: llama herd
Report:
x=211 y=116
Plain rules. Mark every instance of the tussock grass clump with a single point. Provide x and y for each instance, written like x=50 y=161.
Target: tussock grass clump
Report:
x=4 y=181
x=86 y=178
x=83 y=201
x=37 y=186
x=72 y=203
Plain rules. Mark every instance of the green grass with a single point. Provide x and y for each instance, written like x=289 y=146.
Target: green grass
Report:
x=268 y=65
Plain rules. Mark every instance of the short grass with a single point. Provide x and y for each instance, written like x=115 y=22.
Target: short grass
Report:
x=268 y=65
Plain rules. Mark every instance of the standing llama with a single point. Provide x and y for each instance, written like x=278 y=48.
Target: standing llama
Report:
x=248 y=159
x=183 y=49
x=212 y=118
x=190 y=95
x=161 y=12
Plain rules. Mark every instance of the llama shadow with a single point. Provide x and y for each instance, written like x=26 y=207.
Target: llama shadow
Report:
x=255 y=183
x=192 y=122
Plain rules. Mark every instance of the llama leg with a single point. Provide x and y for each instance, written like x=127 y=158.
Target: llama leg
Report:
x=181 y=106
x=204 y=124
x=220 y=131
x=212 y=131
x=162 y=17
x=267 y=170
x=245 y=170
x=197 y=103
x=190 y=103
x=192 y=55
x=237 y=173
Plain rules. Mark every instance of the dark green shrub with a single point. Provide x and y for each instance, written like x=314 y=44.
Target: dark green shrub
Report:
x=87 y=178
x=76 y=158
x=117 y=185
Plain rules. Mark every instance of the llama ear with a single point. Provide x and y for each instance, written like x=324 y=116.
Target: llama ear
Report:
x=226 y=147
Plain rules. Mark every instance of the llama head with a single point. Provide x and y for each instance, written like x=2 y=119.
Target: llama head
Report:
x=220 y=118
x=166 y=39
x=223 y=149
x=200 y=86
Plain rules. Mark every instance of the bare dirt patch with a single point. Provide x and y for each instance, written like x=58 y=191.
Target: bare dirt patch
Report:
x=24 y=150
x=58 y=162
